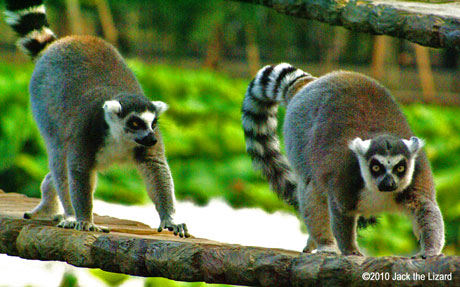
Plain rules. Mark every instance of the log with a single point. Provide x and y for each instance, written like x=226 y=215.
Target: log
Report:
x=136 y=249
x=430 y=24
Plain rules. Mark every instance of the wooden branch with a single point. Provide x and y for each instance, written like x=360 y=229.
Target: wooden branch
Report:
x=134 y=248
x=429 y=24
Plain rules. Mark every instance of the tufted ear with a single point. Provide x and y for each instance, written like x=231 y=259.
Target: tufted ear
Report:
x=160 y=106
x=414 y=145
x=359 y=147
x=112 y=107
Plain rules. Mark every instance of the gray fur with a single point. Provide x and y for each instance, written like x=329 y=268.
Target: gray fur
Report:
x=82 y=94
x=324 y=119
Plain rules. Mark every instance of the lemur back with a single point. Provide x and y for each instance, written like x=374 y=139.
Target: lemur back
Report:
x=335 y=175
x=92 y=112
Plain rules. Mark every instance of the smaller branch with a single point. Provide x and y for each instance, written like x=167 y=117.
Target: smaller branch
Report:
x=435 y=25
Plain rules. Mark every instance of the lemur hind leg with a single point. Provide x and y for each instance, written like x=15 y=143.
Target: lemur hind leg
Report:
x=344 y=229
x=49 y=204
x=314 y=210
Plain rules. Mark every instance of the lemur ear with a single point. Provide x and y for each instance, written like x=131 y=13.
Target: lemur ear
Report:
x=414 y=145
x=359 y=147
x=160 y=106
x=112 y=106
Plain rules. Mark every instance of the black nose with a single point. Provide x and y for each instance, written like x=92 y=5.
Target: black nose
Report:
x=148 y=140
x=387 y=184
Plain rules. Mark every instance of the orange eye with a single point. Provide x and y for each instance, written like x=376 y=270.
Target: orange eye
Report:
x=135 y=124
x=375 y=168
x=401 y=168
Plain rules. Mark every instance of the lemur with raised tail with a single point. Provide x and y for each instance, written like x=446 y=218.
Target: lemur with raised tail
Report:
x=350 y=152
x=92 y=112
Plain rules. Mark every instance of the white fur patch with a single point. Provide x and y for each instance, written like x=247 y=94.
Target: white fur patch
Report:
x=258 y=88
x=250 y=143
x=148 y=118
x=41 y=35
x=160 y=106
x=359 y=147
x=272 y=81
x=251 y=105
x=287 y=80
x=117 y=149
x=265 y=128
x=13 y=17
x=373 y=202
x=414 y=144
x=112 y=106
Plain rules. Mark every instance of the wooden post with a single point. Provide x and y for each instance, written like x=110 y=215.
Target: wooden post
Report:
x=422 y=57
x=252 y=50
x=107 y=23
x=214 y=50
x=74 y=16
x=378 y=56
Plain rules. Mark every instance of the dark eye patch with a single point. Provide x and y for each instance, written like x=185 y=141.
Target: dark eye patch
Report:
x=135 y=123
x=376 y=168
x=400 y=168
x=154 y=123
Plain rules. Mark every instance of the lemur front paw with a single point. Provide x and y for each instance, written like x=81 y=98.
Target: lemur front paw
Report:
x=67 y=223
x=89 y=226
x=81 y=225
x=180 y=229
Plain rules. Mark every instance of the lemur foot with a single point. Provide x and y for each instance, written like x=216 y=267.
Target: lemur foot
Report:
x=426 y=255
x=180 y=229
x=327 y=249
x=40 y=214
x=58 y=217
x=352 y=252
x=81 y=225
x=311 y=245
x=307 y=249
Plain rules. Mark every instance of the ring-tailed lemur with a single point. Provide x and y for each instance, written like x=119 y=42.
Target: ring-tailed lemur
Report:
x=92 y=112
x=351 y=150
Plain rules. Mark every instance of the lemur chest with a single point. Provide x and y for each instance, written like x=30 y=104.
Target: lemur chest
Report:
x=114 y=152
x=372 y=202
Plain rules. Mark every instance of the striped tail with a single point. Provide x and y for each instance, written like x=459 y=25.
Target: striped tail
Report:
x=271 y=86
x=28 y=20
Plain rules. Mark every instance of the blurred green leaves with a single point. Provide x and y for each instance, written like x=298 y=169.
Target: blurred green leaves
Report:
x=205 y=149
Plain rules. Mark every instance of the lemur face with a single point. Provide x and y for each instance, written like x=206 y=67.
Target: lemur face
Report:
x=141 y=127
x=386 y=162
x=135 y=127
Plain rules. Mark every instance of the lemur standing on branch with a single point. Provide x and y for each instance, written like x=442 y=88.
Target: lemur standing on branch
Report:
x=92 y=112
x=351 y=152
